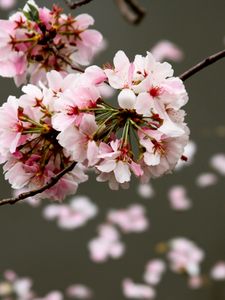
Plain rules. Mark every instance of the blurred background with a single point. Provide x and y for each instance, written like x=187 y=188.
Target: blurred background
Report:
x=55 y=258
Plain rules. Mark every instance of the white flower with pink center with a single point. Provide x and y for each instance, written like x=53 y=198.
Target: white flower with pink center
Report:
x=116 y=162
x=72 y=105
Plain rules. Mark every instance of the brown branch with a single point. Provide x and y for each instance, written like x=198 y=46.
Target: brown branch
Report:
x=74 y=5
x=203 y=64
x=131 y=10
x=65 y=59
x=35 y=192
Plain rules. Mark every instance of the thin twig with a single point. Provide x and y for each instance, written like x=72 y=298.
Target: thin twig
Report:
x=131 y=10
x=35 y=192
x=74 y=5
x=203 y=64
x=65 y=59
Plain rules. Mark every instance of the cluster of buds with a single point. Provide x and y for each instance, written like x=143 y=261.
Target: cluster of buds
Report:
x=37 y=40
x=72 y=120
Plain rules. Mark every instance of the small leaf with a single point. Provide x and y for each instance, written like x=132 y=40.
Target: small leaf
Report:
x=32 y=14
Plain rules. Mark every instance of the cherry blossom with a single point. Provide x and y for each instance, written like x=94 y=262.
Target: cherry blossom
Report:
x=206 y=179
x=129 y=220
x=167 y=50
x=133 y=290
x=154 y=271
x=178 y=198
x=75 y=214
x=185 y=256
x=54 y=295
x=106 y=245
x=218 y=163
x=195 y=282
x=68 y=119
x=189 y=153
x=145 y=190
x=14 y=285
x=37 y=40
x=7 y=4
x=30 y=147
x=79 y=291
x=218 y=271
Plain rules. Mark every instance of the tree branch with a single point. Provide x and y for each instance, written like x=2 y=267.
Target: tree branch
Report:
x=35 y=192
x=131 y=10
x=74 y=5
x=65 y=59
x=203 y=64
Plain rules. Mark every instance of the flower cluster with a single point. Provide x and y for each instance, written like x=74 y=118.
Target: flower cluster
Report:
x=72 y=120
x=29 y=144
x=108 y=243
x=186 y=257
x=13 y=287
x=73 y=215
x=37 y=40
x=134 y=290
x=154 y=271
x=129 y=220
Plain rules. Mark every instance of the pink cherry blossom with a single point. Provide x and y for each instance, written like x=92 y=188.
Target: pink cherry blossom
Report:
x=79 y=291
x=69 y=105
x=57 y=42
x=68 y=119
x=154 y=271
x=206 y=179
x=195 y=282
x=218 y=271
x=116 y=162
x=133 y=290
x=167 y=50
x=145 y=190
x=185 y=256
x=54 y=295
x=10 y=127
x=76 y=141
x=76 y=214
x=162 y=152
x=14 y=286
x=178 y=198
x=10 y=275
x=22 y=288
x=189 y=153
x=129 y=220
x=119 y=75
x=7 y=4
x=218 y=163
x=106 y=245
